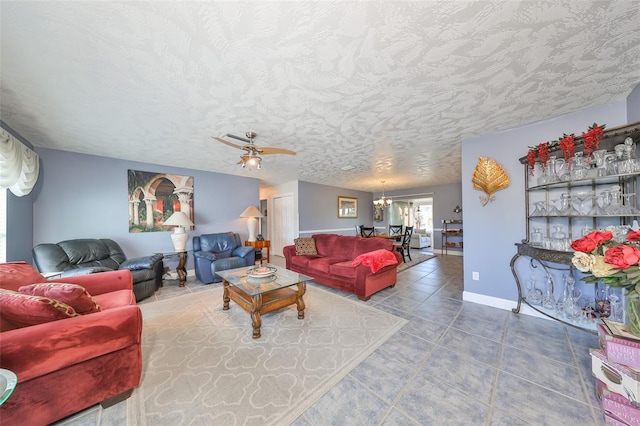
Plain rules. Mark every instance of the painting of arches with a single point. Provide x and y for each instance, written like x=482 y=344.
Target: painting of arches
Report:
x=154 y=197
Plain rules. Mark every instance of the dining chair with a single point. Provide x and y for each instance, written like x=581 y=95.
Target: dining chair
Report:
x=403 y=246
x=367 y=232
x=396 y=230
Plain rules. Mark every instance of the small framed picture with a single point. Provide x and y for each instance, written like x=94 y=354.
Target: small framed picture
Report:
x=347 y=207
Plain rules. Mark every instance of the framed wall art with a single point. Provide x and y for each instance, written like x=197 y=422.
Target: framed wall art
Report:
x=347 y=207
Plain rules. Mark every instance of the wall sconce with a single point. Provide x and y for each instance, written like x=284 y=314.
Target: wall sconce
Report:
x=457 y=209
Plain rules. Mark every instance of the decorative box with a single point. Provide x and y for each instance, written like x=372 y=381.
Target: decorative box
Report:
x=616 y=408
x=618 y=349
x=617 y=378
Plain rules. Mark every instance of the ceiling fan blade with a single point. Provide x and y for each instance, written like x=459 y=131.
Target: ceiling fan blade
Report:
x=227 y=142
x=267 y=151
x=229 y=135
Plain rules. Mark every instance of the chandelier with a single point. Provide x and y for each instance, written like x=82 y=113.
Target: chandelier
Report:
x=382 y=201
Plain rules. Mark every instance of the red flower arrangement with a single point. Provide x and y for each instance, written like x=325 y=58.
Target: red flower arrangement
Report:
x=601 y=258
x=531 y=159
x=543 y=154
x=592 y=138
x=567 y=145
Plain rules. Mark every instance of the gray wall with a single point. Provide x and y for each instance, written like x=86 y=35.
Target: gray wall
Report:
x=490 y=232
x=19 y=227
x=318 y=209
x=85 y=196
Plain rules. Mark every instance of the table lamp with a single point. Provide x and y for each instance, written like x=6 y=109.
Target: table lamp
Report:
x=252 y=213
x=180 y=235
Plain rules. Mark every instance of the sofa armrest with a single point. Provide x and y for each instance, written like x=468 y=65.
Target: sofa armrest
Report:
x=204 y=255
x=101 y=283
x=242 y=251
x=288 y=252
x=75 y=272
x=41 y=349
x=139 y=263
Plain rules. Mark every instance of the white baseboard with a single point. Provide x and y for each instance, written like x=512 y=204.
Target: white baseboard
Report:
x=504 y=304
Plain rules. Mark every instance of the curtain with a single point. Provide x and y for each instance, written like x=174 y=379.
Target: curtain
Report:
x=19 y=165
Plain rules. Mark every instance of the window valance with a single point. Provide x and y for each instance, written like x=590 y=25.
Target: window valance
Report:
x=19 y=165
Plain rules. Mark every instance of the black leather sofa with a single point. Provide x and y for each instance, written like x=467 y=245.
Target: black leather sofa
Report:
x=87 y=256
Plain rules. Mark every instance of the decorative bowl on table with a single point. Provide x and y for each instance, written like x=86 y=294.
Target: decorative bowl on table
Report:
x=261 y=272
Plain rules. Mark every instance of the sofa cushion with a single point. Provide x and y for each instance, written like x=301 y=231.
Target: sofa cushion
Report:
x=222 y=244
x=343 y=269
x=325 y=243
x=366 y=245
x=17 y=274
x=305 y=246
x=301 y=261
x=22 y=310
x=115 y=299
x=73 y=295
x=322 y=264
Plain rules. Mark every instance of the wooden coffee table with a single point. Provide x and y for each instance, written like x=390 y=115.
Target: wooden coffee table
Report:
x=259 y=295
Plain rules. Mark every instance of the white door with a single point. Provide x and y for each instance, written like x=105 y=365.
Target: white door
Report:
x=284 y=225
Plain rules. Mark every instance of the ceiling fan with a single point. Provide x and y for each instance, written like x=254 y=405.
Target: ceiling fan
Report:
x=253 y=152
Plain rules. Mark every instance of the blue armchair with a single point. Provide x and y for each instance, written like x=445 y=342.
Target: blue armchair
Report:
x=219 y=252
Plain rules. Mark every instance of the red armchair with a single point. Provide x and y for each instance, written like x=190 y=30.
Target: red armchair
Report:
x=68 y=365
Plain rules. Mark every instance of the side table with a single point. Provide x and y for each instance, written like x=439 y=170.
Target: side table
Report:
x=182 y=261
x=259 y=245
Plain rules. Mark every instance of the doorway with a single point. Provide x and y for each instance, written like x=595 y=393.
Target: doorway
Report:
x=283 y=222
x=416 y=212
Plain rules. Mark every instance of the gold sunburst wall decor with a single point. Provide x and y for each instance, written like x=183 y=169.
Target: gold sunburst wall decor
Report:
x=490 y=177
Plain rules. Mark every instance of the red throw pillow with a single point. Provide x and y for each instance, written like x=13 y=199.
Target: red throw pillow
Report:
x=73 y=295
x=23 y=310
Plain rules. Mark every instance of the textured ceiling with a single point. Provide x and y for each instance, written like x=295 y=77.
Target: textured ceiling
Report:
x=390 y=88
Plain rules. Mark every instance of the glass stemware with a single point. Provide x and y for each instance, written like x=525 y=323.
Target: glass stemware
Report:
x=581 y=198
x=566 y=206
x=539 y=209
x=596 y=208
x=628 y=207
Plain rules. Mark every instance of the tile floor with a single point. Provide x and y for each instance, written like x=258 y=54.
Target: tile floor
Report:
x=454 y=363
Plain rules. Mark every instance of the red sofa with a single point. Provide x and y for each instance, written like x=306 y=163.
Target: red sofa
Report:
x=67 y=365
x=332 y=266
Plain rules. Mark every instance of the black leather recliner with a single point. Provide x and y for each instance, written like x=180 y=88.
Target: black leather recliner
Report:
x=87 y=256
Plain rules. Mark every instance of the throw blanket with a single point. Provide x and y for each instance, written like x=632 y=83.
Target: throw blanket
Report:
x=376 y=259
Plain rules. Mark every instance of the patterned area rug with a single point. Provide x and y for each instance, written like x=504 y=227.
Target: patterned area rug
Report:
x=201 y=365
x=417 y=258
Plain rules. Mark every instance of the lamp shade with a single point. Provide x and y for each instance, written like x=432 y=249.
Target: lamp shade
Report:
x=178 y=219
x=251 y=211
x=180 y=235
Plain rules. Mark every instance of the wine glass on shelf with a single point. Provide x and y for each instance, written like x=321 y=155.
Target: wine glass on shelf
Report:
x=581 y=198
x=539 y=209
x=552 y=209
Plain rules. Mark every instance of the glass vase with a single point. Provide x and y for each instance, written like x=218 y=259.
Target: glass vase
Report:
x=632 y=317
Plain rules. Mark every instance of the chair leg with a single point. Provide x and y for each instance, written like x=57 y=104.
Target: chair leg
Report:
x=408 y=253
